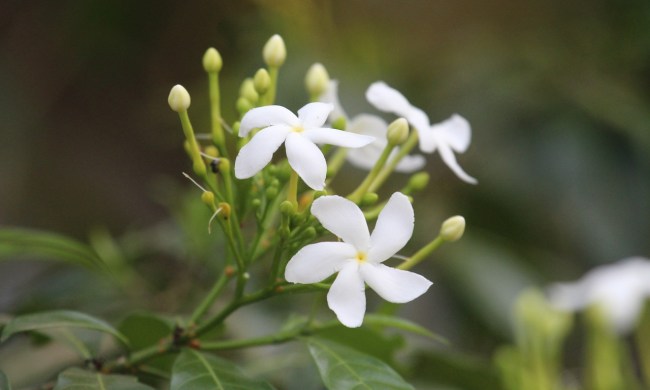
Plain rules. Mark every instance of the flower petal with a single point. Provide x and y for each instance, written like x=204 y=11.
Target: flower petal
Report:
x=343 y=218
x=316 y=262
x=257 y=153
x=456 y=131
x=307 y=160
x=337 y=137
x=389 y=99
x=347 y=297
x=331 y=95
x=266 y=116
x=410 y=164
x=364 y=158
x=371 y=125
x=314 y=114
x=393 y=229
x=394 y=285
x=448 y=157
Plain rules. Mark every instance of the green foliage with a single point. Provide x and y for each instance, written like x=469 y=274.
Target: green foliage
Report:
x=16 y=243
x=58 y=319
x=144 y=330
x=381 y=320
x=197 y=371
x=78 y=379
x=341 y=367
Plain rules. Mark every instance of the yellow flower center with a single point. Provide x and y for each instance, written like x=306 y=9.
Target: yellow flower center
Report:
x=298 y=129
x=361 y=257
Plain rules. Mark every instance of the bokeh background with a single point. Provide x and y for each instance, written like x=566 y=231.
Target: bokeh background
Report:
x=557 y=92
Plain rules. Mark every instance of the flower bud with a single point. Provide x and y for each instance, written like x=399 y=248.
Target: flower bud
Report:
x=398 y=131
x=418 y=181
x=275 y=52
x=316 y=80
x=287 y=208
x=212 y=60
x=339 y=123
x=243 y=105
x=453 y=228
x=225 y=210
x=179 y=99
x=247 y=90
x=207 y=197
x=368 y=199
x=262 y=81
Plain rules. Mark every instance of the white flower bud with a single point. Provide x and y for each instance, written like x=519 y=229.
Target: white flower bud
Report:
x=317 y=79
x=179 y=99
x=453 y=228
x=275 y=52
x=398 y=131
x=212 y=60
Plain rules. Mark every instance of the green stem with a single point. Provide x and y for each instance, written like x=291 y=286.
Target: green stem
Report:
x=197 y=161
x=292 y=195
x=269 y=96
x=365 y=185
x=209 y=299
x=215 y=113
x=421 y=254
x=406 y=148
x=336 y=162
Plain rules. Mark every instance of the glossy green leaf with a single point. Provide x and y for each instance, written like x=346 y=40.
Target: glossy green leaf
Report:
x=15 y=242
x=146 y=329
x=402 y=324
x=341 y=367
x=58 y=319
x=197 y=371
x=78 y=379
x=4 y=382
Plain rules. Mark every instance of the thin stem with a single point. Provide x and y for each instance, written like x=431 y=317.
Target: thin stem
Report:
x=406 y=147
x=292 y=195
x=365 y=185
x=197 y=161
x=421 y=254
x=336 y=162
x=215 y=113
x=269 y=96
x=209 y=299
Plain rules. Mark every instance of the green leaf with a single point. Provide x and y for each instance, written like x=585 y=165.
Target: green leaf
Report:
x=341 y=367
x=146 y=329
x=400 y=323
x=78 y=379
x=58 y=319
x=16 y=242
x=4 y=382
x=196 y=371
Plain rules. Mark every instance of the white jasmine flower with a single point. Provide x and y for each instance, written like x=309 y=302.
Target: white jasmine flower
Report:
x=449 y=136
x=621 y=288
x=371 y=125
x=358 y=259
x=300 y=134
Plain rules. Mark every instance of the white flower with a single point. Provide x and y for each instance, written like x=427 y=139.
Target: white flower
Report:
x=449 y=136
x=358 y=259
x=300 y=134
x=371 y=125
x=620 y=288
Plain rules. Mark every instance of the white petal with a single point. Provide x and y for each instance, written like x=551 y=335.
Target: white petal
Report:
x=410 y=164
x=393 y=229
x=316 y=262
x=456 y=131
x=418 y=119
x=347 y=297
x=307 y=160
x=331 y=95
x=388 y=99
x=266 y=116
x=394 y=285
x=428 y=140
x=343 y=218
x=314 y=114
x=257 y=153
x=365 y=157
x=448 y=157
x=367 y=124
x=337 y=137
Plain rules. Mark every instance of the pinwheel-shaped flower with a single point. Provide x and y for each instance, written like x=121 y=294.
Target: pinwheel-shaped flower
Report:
x=358 y=259
x=621 y=288
x=449 y=136
x=300 y=134
x=371 y=125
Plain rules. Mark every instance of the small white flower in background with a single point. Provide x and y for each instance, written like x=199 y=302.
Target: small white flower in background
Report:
x=371 y=125
x=621 y=288
x=300 y=134
x=358 y=259
x=451 y=135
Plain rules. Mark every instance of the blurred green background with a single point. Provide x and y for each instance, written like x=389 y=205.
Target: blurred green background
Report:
x=557 y=92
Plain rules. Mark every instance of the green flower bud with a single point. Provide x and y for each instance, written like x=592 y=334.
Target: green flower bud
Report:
x=398 y=131
x=271 y=192
x=235 y=128
x=275 y=52
x=207 y=197
x=212 y=60
x=287 y=208
x=368 y=199
x=247 y=90
x=262 y=81
x=316 y=80
x=243 y=105
x=211 y=151
x=339 y=123
x=453 y=228
x=310 y=233
x=179 y=99
x=418 y=181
